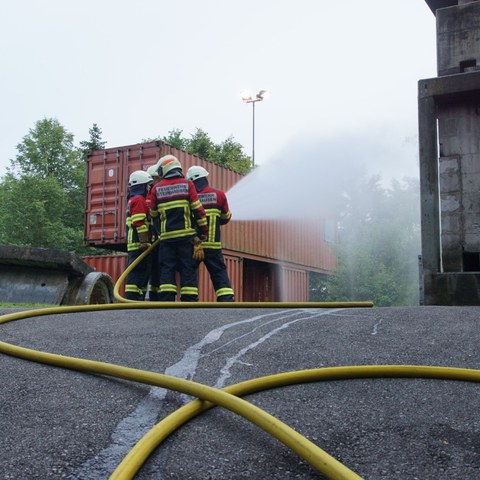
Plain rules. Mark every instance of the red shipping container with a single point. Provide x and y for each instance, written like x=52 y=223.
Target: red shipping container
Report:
x=267 y=260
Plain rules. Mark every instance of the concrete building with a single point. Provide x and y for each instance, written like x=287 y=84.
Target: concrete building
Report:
x=449 y=141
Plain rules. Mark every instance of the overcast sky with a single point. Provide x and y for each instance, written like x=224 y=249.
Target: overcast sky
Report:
x=340 y=73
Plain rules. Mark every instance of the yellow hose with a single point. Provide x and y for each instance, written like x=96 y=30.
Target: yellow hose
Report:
x=227 y=397
x=310 y=452
x=130 y=267
x=123 y=276
x=151 y=440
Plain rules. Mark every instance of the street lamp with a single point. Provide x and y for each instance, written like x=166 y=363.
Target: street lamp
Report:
x=247 y=98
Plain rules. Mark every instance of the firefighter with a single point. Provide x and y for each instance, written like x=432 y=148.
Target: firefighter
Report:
x=153 y=172
x=174 y=200
x=154 y=280
x=216 y=208
x=138 y=234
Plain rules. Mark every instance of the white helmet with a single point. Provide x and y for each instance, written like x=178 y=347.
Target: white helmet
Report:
x=153 y=170
x=167 y=163
x=139 y=177
x=196 y=172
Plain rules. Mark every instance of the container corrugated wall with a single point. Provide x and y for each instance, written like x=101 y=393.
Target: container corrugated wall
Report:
x=206 y=292
x=115 y=265
x=294 y=285
x=107 y=186
x=266 y=260
x=298 y=242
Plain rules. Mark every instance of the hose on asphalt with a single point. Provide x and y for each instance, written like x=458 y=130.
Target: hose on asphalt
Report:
x=137 y=456
x=123 y=276
x=228 y=397
x=292 y=439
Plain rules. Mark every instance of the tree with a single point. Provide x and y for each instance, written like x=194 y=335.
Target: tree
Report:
x=43 y=192
x=228 y=153
x=201 y=145
x=48 y=151
x=95 y=142
x=378 y=246
x=37 y=213
x=175 y=139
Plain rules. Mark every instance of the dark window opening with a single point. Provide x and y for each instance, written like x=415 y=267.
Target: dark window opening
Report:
x=466 y=65
x=471 y=262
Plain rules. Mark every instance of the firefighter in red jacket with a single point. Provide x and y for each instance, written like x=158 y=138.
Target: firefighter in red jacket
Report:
x=154 y=280
x=174 y=199
x=138 y=234
x=216 y=207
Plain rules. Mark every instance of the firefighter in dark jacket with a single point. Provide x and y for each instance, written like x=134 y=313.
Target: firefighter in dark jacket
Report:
x=138 y=234
x=216 y=207
x=174 y=199
x=154 y=280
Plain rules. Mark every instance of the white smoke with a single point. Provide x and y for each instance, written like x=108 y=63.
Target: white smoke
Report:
x=309 y=175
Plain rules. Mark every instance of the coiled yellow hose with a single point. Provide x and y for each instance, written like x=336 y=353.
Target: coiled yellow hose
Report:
x=324 y=463
x=229 y=396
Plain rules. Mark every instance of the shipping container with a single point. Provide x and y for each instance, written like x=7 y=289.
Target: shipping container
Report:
x=116 y=264
x=267 y=260
x=107 y=186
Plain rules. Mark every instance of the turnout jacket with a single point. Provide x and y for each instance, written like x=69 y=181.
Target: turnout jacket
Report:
x=218 y=213
x=137 y=220
x=175 y=201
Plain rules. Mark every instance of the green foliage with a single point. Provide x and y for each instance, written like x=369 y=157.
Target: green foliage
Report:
x=175 y=139
x=37 y=213
x=228 y=153
x=48 y=151
x=95 y=141
x=43 y=193
x=378 y=246
x=201 y=145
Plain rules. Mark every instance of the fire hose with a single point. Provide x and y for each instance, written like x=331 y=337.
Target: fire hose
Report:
x=228 y=397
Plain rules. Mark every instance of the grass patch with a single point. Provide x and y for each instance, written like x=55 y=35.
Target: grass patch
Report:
x=26 y=305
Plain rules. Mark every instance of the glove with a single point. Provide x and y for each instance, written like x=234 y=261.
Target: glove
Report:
x=198 y=253
x=144 y=240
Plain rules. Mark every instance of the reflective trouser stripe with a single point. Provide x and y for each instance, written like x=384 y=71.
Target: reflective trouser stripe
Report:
x=189 y=291
x=224 y=291
x=133 y=289
x=168 y=287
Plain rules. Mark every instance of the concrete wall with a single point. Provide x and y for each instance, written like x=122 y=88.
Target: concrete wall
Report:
x=449 y=141
x=459 y=171
x=458 y=47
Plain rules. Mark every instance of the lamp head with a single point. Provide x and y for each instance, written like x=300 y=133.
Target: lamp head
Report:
x=263 y=94
x=246 y=95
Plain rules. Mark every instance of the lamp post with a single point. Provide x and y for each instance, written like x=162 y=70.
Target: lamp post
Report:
x=247 y=98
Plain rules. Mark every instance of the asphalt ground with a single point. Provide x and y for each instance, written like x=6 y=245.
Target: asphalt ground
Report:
x=58 y=423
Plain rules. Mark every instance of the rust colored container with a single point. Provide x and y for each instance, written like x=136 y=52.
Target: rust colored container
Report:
x=294 y=285
x=297 y=242
x=266 y=260
x=259 y=284
x=115 y=265
x=206 y=291
x=107 y=186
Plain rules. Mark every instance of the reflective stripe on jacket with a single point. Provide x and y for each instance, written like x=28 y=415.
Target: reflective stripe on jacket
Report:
x=137 y=220
x=218 y=213
x=175 y=200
